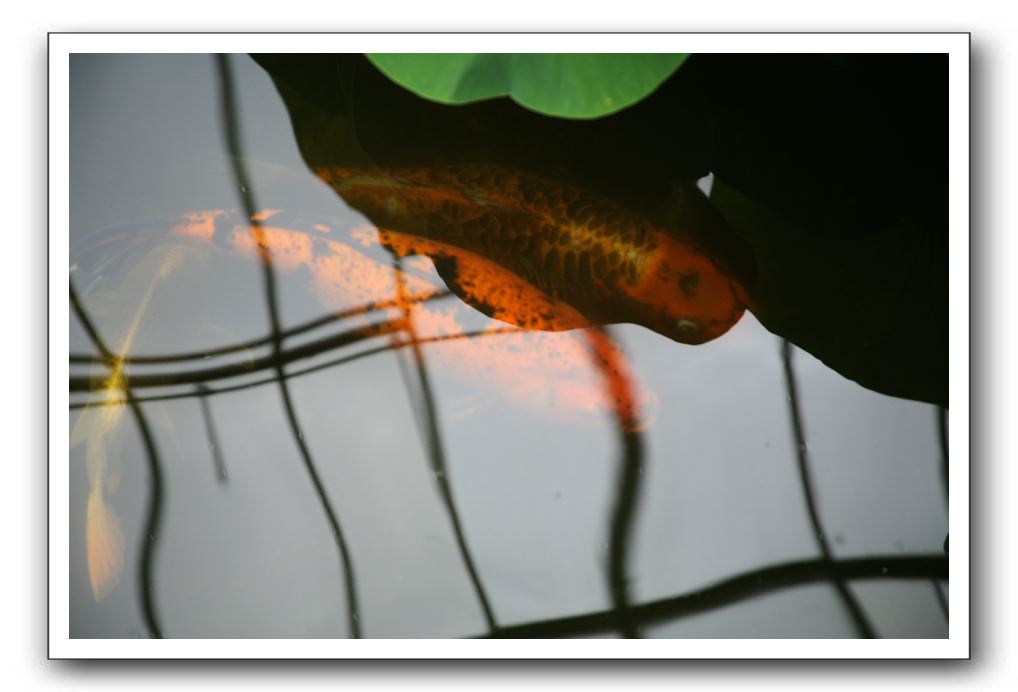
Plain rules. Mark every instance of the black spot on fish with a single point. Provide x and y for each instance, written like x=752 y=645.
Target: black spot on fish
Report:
x=448 y=269
x=600 y=266
x=689 y=282
x=613 y=258
x=483 y=307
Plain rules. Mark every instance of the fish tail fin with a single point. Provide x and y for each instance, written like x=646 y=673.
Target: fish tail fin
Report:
x=105 y=543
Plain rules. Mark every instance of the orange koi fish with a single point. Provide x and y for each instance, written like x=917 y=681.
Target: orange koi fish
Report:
x=610 y=264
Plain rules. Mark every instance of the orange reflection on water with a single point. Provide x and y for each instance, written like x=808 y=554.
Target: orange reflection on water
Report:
x=543 y=365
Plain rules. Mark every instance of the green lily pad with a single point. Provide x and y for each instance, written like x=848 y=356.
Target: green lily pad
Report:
x=568 y=85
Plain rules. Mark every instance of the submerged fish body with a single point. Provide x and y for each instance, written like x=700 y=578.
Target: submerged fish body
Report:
x=610 y=264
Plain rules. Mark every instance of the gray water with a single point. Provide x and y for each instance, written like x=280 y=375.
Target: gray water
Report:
x=253 y=555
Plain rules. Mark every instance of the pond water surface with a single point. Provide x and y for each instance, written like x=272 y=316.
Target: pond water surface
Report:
x=392 y=491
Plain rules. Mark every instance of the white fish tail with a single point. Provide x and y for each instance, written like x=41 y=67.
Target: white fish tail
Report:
x=105 y=543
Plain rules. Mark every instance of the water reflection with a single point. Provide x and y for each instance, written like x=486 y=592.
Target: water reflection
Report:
x=259 y=242
x=210 y=431
x=404 y=307
x=512 y=318
x=581 y=373
x=855 y=611
x=104 y=567
x=428 y=425
x=742 y=587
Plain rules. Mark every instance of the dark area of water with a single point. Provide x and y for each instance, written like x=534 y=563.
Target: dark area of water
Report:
x=291 y=465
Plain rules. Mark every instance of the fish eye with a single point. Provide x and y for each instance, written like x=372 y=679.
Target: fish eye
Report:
x=687 y=326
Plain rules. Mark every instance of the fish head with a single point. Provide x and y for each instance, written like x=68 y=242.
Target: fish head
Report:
x=687 y=298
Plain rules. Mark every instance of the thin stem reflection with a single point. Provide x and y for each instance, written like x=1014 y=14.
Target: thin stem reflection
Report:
x=855 y=611
x=428 y=423
x=608 y=359
x=747 y=585
x=231 y=129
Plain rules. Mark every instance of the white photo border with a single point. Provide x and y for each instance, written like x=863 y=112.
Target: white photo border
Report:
x=956 y=45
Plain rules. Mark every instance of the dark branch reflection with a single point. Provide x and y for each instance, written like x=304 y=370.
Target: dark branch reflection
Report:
x=273 y=361
x=424 y=405
x=855 y=611
x=153 y=518
x=256 y=343
x=210 y=432
x=941 y=414
x=619 y=389
x=231 y=128
x=209 y=391
x=741 y=587
x=629 y=475
x=623 y=616
x=938 y=592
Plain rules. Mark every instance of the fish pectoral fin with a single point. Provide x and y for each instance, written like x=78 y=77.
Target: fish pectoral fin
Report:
x=105 y=546
x=448 y=270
